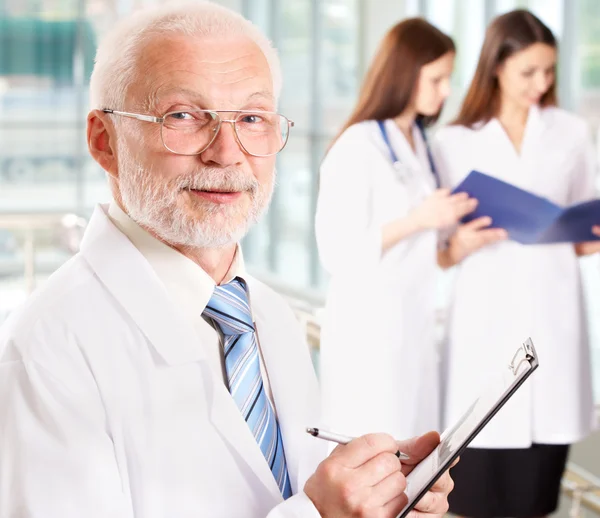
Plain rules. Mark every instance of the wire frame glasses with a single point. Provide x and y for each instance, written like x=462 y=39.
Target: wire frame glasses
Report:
x=191 y=132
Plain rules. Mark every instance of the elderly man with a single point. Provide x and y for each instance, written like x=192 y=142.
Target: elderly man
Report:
x=152 y=376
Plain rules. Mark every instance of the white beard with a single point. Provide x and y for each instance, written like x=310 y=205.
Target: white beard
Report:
x=162 y=208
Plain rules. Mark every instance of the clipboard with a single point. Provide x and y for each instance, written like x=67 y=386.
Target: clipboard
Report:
x=455 y=439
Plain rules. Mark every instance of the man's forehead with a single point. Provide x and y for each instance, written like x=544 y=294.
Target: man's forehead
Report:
x=182 y=91
x=174 y=92
x=196 y=66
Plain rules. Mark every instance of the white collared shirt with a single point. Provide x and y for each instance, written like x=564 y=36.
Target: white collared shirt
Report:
x=188 y=286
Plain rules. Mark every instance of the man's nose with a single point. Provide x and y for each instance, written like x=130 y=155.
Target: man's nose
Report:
x=225 y=149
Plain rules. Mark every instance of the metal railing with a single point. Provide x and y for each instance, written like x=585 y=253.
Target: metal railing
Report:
x=68 y=226
x=584 y=490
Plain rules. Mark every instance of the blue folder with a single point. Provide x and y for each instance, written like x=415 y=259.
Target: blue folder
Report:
x=528 y=218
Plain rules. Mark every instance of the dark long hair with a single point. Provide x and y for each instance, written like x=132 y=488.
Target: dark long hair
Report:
x=392 y=77
x=506 y=35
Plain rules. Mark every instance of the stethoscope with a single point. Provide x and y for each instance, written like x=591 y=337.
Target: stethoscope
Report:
x=402 y=171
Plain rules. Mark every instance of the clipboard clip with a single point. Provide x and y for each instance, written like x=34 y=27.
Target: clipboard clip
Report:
x=524 y=354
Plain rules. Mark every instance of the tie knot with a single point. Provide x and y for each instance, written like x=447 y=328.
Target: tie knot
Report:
x=230 y=309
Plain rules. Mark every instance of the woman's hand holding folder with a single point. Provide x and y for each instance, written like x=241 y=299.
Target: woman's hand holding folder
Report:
x=469 y=238
x=442 y=209
x=589 y=247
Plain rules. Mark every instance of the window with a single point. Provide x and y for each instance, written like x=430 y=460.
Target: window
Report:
x=318 y=45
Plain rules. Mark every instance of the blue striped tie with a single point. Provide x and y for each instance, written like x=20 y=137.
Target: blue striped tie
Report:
x=229 y=309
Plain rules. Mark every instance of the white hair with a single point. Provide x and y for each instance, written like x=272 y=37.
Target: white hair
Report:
x=118 y=53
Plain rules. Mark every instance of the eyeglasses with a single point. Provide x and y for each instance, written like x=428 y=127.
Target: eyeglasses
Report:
x=259 y=133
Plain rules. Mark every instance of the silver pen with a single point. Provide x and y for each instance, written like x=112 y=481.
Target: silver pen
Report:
x=342 y=439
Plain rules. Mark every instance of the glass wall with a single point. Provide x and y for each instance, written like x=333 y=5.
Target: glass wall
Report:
x=318 y=45
x=46 y=54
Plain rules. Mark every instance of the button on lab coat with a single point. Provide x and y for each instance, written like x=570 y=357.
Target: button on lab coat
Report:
x=378 y=364
x=507 y=292
x=108 y=407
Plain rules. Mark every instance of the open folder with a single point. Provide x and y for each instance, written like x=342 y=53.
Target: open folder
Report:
x=529 y=219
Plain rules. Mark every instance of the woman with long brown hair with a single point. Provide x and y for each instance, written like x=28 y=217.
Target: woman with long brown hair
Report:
x=377 y=216
x=510 y=127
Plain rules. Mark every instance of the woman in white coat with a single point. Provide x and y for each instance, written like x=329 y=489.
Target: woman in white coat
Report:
x=510 y=127
x=377 y=215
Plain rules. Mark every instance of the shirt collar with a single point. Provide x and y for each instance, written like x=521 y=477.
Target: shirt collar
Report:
x=187 y=284
x=534 y=119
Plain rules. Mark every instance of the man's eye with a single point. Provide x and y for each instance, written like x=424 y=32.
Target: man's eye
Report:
x=181 y=116
x=251 y=119
x=189 y=119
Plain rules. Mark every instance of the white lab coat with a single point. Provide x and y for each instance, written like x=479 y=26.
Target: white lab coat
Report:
x=108 y=407
x=379 y=363
x=507 y=292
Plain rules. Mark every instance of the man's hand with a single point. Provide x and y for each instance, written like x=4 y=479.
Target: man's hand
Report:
x=435 y=501
x=365 y=479
x=361 y=479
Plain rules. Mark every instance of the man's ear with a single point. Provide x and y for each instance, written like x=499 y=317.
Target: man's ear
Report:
x=102 y=142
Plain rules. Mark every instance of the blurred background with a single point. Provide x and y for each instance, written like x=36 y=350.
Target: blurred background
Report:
x=49 y=184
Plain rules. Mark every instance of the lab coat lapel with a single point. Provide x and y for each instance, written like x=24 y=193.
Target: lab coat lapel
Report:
x=422 y=157
x=495 y=138
x=517 y=168
x=228 y=419
x=404 y=151
x=131 y=280
x=290 y=371
x=532 y=149
x=498 y=153
x=133 y=283
x=534 y=132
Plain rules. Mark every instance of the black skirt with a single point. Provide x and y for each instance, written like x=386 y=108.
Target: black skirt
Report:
x=521 y=483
